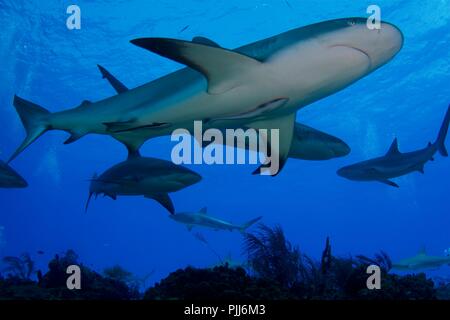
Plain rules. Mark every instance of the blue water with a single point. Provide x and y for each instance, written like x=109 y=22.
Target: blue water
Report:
x=44 y=62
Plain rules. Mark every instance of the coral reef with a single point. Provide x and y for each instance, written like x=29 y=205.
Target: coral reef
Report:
x=275 y=270
x=52 y=284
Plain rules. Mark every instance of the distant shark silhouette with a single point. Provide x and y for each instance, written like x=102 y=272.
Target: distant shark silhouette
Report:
x=421 y=261
x=202 y=219
x=10 y=178
x=261 y=85
x=394 y=163
x=141 y=176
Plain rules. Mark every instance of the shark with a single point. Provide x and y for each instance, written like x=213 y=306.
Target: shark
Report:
x=395 y=163
x=259 y=85
x=421 y=261
x=307 y=143
x=10 y=178
x=203 y=219
x=142 y=176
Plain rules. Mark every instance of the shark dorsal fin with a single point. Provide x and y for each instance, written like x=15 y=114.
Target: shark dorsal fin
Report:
x=205 y=41
x=204 y=210
x=422 y=251
x=393 y=150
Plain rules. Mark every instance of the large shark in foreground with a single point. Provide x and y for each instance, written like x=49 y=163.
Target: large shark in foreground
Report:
x=307 y=143
x=259 y=86
x=202 y=219
x=10 y=178
x=421 y=261
x=140 y=176
x=394 y=163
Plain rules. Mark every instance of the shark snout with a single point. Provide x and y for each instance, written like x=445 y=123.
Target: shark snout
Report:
x=379 y=43
x=13 y=180
x=189 y=178
x=20 y=182
x=340 y=148
x=384 y=43
x=344 y=172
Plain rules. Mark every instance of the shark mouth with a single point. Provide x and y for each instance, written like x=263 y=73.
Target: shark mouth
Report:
x=356 y=49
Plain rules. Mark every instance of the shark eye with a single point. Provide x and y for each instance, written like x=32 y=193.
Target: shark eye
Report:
x=351 y=22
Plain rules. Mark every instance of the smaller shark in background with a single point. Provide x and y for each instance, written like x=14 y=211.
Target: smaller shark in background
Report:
x=394 y=163
x=10 y=178
x=202 y=219
x=421 y=261
x=141 y=176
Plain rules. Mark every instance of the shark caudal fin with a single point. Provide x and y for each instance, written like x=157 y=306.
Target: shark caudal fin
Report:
x=440 y=142
x=34 y=119
x=248 y=224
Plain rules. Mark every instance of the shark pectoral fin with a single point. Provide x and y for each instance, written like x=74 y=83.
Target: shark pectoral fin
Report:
x=116 y=84
x=205 y=41
x=389 y=183
x=164 y=200
x=222 y=68
x=74 y=136
x=278 y=142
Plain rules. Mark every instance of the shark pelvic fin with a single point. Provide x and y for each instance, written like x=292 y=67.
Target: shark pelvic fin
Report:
x=420 y=168
x=205 y=41
x=164 y=200
x=222 y=68
x=116 y=84
x=203 y=210
x=285 y=126
x=389 y=183
x=133 y=153
x=393 y=150
x=85 y=103
x=74 y=136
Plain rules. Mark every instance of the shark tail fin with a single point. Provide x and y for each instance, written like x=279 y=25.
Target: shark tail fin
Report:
x=248 y=224
x=440 y=142
x=34 y=119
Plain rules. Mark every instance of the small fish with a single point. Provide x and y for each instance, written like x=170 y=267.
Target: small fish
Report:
x=40 y=252
x=184 y=29
x=288 y=4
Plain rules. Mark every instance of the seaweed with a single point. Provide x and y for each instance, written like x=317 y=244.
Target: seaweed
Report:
x=22 y=267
